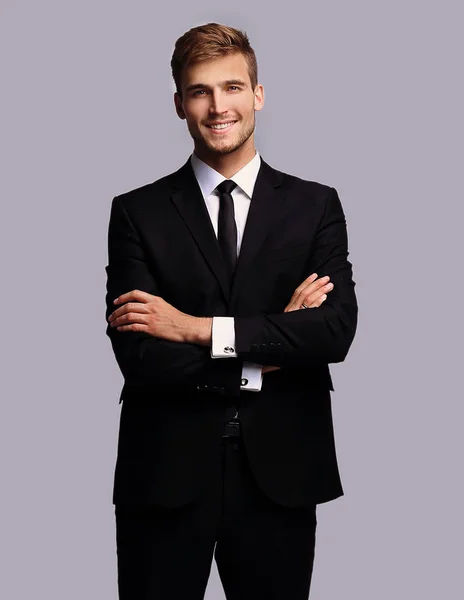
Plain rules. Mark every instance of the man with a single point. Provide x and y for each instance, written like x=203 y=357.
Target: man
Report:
x=226 y=439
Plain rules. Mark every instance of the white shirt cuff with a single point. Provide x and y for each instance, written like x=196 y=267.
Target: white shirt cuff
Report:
x=252 y=377
x=223 y=346
x=223 y=338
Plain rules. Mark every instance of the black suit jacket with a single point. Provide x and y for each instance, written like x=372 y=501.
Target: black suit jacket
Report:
x=176 y=398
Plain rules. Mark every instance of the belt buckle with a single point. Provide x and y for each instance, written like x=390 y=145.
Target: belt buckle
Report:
x=232 y=429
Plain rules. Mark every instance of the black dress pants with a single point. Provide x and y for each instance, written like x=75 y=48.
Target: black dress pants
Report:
x=263 y=551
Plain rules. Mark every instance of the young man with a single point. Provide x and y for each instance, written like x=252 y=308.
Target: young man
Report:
x=226 y=439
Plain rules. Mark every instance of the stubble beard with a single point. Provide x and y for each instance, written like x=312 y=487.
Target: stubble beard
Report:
x=226 y=149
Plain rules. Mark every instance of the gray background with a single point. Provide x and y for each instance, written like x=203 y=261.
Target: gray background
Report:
x=364 y=96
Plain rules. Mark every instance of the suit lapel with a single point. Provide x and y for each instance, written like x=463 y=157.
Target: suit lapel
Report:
x=264 y=211
x=187 y=197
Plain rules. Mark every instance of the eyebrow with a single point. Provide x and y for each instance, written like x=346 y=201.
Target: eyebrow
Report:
x=197 y=86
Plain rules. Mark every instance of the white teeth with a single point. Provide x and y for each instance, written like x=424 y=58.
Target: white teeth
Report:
x=222 y=126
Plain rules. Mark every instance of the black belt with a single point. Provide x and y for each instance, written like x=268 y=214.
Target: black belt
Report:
x=232 y=429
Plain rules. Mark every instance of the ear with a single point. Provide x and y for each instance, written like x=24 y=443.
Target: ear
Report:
x=259 y=97
x=178 y=105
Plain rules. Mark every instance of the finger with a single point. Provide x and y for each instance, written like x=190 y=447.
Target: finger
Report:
x=318 y=302
x=129 y=318
x=133 y=327
x=292 y=304
x=267 y=368
x=129 y=307
x=313 y=296
x=304 y=284
x=136 y=295
x=305 y=290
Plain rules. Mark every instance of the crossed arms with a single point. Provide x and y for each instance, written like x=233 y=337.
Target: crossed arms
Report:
x=155 y=343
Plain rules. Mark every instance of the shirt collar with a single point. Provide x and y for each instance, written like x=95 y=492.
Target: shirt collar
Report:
x=208 y=179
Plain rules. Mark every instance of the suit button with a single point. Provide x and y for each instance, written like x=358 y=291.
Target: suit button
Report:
x=229 y=349
x=244 y=381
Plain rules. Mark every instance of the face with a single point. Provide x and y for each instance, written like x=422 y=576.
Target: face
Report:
x=219 y=104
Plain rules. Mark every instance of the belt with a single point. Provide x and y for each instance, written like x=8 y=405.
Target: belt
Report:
x=232 y=429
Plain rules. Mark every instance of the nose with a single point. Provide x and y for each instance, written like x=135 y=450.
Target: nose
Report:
x=218 y=103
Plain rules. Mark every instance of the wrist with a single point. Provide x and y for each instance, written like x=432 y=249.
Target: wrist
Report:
x=199 y=331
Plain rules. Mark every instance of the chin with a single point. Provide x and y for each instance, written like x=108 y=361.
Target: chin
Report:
x=224 y=148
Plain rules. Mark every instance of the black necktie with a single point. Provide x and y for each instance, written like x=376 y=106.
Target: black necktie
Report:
x=227 y=229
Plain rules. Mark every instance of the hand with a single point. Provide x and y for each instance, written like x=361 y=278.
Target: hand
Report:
x=267 y=368
x=310 y=292
x=150 y=314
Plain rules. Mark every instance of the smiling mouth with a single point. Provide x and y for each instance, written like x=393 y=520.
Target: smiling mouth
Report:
x=221 y=127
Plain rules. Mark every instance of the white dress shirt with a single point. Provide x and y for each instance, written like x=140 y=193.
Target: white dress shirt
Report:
x=223 y=331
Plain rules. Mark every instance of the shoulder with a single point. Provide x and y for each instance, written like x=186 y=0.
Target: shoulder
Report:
x=150 y=198
x=156 y=189
x=299 y=187
x=318 y=199
x=294 y=182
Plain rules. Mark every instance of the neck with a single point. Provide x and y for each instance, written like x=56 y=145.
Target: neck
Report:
x=228 y=164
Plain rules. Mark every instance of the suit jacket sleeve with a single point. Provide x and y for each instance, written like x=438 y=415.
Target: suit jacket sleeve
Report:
x=142 y=358
x=309 y=336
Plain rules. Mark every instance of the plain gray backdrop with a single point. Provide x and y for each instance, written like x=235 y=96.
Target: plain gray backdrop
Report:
x=365 y=96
